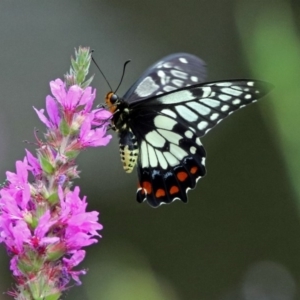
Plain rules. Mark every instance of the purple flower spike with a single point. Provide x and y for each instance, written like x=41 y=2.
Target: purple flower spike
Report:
x=43 y=223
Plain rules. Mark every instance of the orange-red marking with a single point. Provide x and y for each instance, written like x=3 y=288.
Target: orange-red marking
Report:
x=160 y=193
x=147 y=186
x=174 y=189
x=182 y=176
x=194 y=170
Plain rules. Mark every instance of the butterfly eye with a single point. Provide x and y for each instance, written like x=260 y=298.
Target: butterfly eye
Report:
x=113 y=98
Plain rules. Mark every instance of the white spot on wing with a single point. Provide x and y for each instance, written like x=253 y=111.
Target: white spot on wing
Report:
x=177 y=97
x=248 y=96
x=231 y=91
x=236 y=87
x=183 y=60
x=203 y=161
x=168 y=65
x=211 y=102
x=193 y=150
x=163 y=78
x=201 y=109
x=202 y=125
x=146 y=87
x=144 y=155
x=172 y=160
x=179 y=74
x=164 y=122
x=152 y=157
x=178 y=82
x=194 y=78
x=161 y=159
x=186 y=113
x=225 y=107
x=170 y=136
x=155 y=139
x=214 y=116
x=189 y=134
x=250 y=83
x=169 y=112
x=223 y=84
x=206 y=91
x=236 y=101
x=177 y=152
x=169 y=88
x=224 y=97
x=198 y=142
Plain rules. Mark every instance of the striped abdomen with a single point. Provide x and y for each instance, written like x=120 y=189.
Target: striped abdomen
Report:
x=128 y=150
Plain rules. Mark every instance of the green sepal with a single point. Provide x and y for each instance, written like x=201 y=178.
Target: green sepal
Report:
x=46 y=165
x=52 y=297
x=55 y=255
x=31 y=264
x=64 y=128
x=80 y=76
x=72 y=154
x=53 y=198
x=75 y=65
x=34 y=223
x=87 y=82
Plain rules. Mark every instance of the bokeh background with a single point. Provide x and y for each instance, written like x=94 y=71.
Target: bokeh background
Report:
x=238 y=238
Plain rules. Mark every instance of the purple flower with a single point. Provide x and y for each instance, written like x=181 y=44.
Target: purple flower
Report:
x=53 y=113
x=89 y=137
x=73 y=97
x=34 y=164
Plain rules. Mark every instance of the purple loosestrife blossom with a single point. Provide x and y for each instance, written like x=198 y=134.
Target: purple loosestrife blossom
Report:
x=43 y=222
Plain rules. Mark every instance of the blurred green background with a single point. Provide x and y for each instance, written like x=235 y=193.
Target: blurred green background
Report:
x=239 y=236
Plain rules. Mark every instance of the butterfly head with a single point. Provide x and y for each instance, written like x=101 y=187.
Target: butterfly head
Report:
x=112 y=101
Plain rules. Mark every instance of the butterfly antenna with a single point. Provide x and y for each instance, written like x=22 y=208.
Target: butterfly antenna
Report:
x=100 y=70
x=124 y=67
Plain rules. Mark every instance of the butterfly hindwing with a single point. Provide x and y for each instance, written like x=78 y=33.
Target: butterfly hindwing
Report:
x=171 y=158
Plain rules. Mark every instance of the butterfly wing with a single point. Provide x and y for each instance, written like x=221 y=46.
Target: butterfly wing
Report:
x=168 y=74
x=168 y=127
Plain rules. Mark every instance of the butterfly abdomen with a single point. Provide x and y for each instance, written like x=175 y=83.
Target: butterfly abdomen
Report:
x=128 y=150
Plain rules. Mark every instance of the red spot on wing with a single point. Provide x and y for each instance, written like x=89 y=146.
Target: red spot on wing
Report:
x=174 y=190
x=182 y=176
x=147 y=186
x=194 y=170
x=160 y=193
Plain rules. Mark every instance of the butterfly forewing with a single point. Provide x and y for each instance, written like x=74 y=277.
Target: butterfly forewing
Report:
x=170 y=108
x=203 y=106
x=171 y=73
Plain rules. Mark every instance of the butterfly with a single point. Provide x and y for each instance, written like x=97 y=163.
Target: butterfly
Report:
x=161 y=118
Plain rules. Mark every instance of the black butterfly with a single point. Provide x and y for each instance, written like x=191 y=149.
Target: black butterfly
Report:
x=163 y=115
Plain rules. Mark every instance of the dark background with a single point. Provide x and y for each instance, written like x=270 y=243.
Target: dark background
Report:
x=238 y=238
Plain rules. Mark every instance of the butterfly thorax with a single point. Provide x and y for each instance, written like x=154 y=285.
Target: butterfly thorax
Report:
x=120 y=123
x=120 y=110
